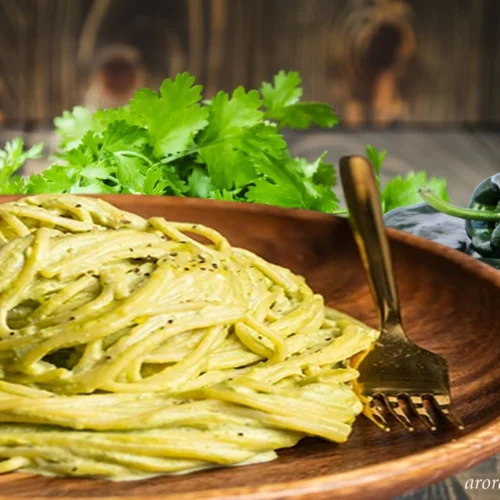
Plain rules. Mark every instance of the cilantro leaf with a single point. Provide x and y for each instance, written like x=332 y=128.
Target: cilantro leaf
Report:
x=130 y=173
x=322 y=199
x=403 y=191
x=73 y=125
x=225 y=195
x=77 y=157
x=229 y=116
x=200 y=185
x=221 y=141
x=161 y=179
x=319 y=172
x=119 y=136
x=284 y=91
x=173 y=117
x=12 y=159
x=15 y=185
x=282 y=102
x=221 y=163
x=105 y=117
x=55 y=179
x=283 y=186
x=302 y=115
x=376 y=158
x=283 y=194
x=154 y=183
x=264 y=139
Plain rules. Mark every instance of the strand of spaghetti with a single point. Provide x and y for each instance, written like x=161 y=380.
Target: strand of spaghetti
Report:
x=51 y=220
x=62 y=296
x=175 y=232
x=14 y=463
x=17 y=226
x=12 y=259
x=17 y=288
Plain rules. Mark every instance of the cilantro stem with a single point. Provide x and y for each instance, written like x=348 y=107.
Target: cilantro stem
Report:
x=178 y=156
x=340 y=212
x=197 y=149
x=134 y=153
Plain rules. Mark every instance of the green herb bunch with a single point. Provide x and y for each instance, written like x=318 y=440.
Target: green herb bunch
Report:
x=176 y=144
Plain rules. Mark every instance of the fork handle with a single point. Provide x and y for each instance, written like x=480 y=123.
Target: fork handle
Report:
x=367 y=224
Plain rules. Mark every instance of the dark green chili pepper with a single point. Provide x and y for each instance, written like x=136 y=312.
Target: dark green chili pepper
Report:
x=482 y=217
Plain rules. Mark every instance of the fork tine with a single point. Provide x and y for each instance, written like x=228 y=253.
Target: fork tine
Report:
x=372 y=412
x=442 y=403
x=417 y=405
x=397 y=412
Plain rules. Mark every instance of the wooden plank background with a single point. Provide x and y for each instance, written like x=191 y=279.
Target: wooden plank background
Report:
x=378 y=61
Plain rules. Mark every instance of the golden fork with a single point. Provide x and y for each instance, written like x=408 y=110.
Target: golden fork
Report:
x=396 y=377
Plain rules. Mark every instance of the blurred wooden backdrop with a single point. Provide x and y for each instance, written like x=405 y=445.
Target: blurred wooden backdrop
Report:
x=377 y=61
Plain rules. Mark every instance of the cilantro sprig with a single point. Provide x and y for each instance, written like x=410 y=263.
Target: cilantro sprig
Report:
x=12 y=158
x=173 y=142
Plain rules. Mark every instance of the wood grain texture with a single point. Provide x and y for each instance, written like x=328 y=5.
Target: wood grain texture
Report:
x=376 y=61
x=450 y=306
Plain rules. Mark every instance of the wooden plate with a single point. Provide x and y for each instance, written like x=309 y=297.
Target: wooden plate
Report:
x=451 y=305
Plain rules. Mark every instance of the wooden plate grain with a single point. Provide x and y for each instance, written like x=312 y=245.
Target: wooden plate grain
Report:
x=451 y=305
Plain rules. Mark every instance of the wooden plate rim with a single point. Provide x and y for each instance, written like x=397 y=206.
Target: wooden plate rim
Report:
x=432 y=465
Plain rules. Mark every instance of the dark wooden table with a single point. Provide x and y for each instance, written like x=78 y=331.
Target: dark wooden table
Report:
x=463 y=158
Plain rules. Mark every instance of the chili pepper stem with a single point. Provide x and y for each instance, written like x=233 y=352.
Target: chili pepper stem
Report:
x=432 y=199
